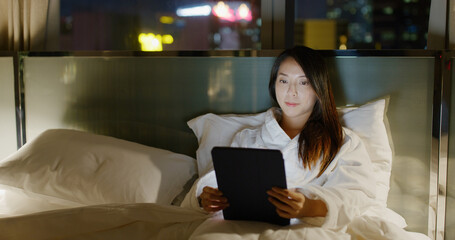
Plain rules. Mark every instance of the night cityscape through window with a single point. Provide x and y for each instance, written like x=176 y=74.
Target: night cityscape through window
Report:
x=209 y=24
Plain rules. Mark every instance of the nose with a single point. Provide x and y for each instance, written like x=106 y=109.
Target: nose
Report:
x=292 y=90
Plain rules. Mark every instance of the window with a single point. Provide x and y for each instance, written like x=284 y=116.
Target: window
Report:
x=362 y=24
x=159 y=25
x=150 y=25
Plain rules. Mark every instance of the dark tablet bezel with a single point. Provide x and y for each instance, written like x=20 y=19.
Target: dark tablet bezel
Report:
x=244 y=175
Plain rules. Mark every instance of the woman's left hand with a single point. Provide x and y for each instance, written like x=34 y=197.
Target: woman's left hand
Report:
x=288 y=203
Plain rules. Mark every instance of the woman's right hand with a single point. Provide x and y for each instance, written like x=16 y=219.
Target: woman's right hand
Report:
x=212 y=200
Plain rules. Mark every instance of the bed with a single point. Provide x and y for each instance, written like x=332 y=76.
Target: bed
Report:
x=79 y=173
x=77 y=178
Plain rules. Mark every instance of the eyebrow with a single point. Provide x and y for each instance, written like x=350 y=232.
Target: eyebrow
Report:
x=284 y=74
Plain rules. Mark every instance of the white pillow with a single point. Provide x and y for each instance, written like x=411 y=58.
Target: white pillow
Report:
x=94 y=169
x=367 y=121
x=218 y=130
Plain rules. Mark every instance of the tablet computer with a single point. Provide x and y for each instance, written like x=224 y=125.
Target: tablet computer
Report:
x=244 y=175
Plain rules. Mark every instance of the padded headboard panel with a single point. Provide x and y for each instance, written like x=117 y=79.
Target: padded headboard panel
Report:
x=149 y=99
x=142 y=99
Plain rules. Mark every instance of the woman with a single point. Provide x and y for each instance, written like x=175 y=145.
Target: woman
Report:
x=326 y=166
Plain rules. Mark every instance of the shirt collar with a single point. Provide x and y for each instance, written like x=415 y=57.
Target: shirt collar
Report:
x=273 y=134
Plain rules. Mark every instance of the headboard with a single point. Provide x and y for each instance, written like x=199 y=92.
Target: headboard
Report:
x=8 y=143
x=142 y=99
x=149 y=99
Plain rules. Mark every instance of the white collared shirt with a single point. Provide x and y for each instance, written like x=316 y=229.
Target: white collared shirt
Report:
x=346 y=186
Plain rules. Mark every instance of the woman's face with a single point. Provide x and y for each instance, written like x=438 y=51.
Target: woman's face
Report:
x=294 y=93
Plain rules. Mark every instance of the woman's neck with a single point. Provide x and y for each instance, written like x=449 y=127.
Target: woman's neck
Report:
x=291 y=126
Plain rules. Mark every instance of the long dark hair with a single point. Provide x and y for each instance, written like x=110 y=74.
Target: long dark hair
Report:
x=322 y=133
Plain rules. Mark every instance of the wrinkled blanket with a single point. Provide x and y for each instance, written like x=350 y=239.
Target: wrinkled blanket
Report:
x=153 y=221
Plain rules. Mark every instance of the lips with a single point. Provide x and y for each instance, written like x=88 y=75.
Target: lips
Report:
x=289 y=104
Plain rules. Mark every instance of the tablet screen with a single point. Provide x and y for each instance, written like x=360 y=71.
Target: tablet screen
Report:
x=244 y=175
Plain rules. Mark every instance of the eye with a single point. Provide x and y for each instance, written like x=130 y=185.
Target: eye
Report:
x=282 y=81
x=304 y=82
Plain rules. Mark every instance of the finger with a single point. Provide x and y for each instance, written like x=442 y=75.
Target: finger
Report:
x=215 y=203
x=214 y=198
x=216 y=207
x=294 y=203
x=208 y=192
x=275 y=194
x=283 y=214
x=210 y=209
x=213 y=191
x=296 y=195
x=289 y=193
x=284 y=199
x=213 y=207
x=281 y=206
x=281 y=191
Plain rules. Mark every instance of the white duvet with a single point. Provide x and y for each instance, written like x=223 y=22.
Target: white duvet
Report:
x=153 y=221
x=26 y=219
x=34 y=216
